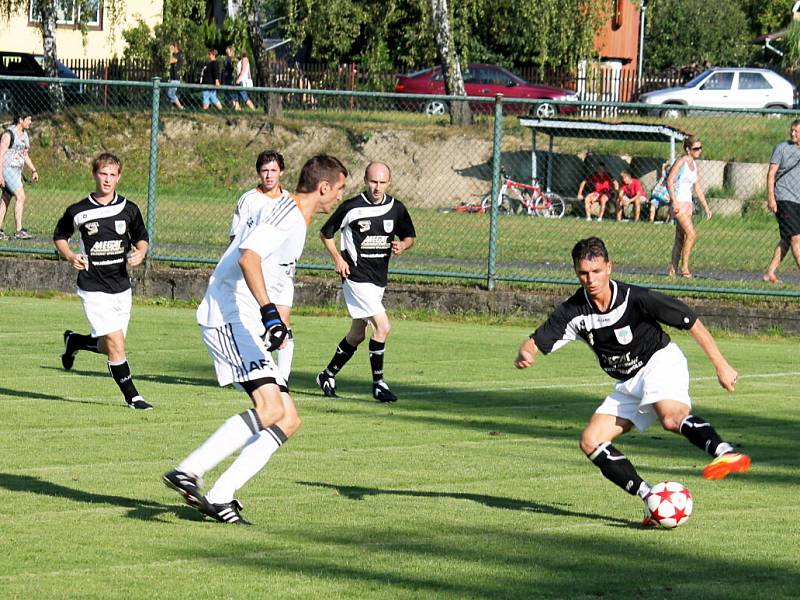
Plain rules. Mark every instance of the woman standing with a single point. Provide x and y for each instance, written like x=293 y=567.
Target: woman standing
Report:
x=682 y=180
x=245 y=79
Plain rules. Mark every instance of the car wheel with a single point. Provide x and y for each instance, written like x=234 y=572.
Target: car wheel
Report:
x=435 y=107
x=6 y=102
x=774 y=115
x=671 y=112
x=545 y=111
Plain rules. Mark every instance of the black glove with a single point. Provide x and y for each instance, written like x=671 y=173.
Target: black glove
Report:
x=276 y=329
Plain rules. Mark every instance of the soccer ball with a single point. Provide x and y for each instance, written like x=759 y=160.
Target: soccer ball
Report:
x=670 y=504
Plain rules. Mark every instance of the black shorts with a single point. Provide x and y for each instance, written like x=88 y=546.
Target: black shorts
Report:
x=788 y=216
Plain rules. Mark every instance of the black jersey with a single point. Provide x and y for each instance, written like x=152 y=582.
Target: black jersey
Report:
x=367 y=233
x=107 y=234
x=625 y=336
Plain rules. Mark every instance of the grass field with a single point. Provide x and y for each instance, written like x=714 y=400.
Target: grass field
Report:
x=731 y=252
x=472 y=486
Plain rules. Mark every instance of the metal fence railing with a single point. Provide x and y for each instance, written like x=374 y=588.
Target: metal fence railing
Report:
x=186 y=169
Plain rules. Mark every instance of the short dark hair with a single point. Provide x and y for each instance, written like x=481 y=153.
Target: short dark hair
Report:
x=268 y=156
x=588 y=249
x=20 y=114
x=317 y=169
x=106 y=158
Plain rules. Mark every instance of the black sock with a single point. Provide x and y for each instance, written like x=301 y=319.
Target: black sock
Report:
x=78 y=341
x=376 y=350
x=344 y=352
x=703 y=435
x=617 y=468
x=122 y=375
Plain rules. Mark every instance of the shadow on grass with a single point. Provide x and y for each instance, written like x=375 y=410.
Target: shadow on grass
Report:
x=137 y=509
x=138 y=377
x=28 y=395
x=359 y=493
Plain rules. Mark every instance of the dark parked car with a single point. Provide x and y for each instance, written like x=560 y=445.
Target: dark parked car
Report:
x=34 y=95
x=487 y=80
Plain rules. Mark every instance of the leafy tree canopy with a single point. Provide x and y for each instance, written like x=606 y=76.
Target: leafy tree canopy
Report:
x=682 y=32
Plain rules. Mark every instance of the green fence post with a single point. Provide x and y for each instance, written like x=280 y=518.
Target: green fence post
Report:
x=496 y=149
x=151 y=182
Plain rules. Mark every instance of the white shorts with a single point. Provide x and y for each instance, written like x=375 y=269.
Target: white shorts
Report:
x=280 y=284
x=664 y=377
x=106 y=312
x=363 y=299
x=239 y=355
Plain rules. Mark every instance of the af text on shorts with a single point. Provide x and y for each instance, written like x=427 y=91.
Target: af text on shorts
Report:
x=239 y=355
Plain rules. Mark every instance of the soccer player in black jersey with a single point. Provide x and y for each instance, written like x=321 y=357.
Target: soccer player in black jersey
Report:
x=374 y=227
x=112 y=238
x=622 y=324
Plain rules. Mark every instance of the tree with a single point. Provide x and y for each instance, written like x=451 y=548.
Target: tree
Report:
x=682 y=32
x=460 y=113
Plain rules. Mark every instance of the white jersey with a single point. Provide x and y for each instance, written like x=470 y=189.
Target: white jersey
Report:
x=249 y=205
x=278 y=235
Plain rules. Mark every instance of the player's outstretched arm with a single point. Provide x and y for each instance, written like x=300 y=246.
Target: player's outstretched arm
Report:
x=726 y=374
x=526 y=355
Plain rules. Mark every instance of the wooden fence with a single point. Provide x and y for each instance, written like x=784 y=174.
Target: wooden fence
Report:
x=598 y=83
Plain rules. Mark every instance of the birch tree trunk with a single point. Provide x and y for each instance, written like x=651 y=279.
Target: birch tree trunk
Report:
x=460 y=113
x=47 y=14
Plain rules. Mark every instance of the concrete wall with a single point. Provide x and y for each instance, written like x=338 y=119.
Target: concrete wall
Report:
x=190 y=284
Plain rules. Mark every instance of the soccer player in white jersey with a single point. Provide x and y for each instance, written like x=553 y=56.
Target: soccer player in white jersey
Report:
x=270 y=168
x=374 y=227
x=621 y=323
x=240 y=326
x=113 y=237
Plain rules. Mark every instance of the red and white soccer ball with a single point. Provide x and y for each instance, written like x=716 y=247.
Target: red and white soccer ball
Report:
x=670 y=504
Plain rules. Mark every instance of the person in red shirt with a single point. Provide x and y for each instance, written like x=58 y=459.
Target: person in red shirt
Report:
x=600 y=182
x=629 y=191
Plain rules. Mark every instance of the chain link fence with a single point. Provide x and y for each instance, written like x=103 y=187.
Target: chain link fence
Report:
x=186 y=169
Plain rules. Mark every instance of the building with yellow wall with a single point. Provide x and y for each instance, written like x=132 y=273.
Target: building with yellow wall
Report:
x=103 y=38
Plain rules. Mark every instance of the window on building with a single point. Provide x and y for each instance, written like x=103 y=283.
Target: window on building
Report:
x=69 y=12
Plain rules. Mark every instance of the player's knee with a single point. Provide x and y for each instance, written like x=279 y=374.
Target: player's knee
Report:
x=672 y=422
x=269 y=414
x=588 y=442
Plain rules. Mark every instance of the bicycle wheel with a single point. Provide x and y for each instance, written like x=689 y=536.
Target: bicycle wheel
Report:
x=549 y=205
x=503 y=207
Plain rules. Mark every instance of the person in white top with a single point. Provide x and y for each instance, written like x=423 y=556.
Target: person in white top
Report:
x=245 y=79
x=683 y=180
x=270 y=168
x=240 y=326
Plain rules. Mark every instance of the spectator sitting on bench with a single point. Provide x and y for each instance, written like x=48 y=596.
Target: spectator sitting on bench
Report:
x=629 y=191
x=659 y=196
x=601 y=184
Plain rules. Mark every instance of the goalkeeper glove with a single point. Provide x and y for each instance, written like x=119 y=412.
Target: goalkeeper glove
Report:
x=276 y=330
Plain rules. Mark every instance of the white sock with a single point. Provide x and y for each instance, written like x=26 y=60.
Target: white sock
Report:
x=285 y=356
x=253 y=457
x=723 y=448
x=226 y=440
x=644 y=490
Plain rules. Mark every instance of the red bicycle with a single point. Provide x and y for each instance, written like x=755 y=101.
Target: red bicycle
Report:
x=521 y=198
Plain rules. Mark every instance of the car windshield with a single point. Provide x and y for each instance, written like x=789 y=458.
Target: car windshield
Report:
x=696 y=79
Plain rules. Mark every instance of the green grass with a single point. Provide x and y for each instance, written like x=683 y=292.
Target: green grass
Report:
x=731 y=252
x=472 y=486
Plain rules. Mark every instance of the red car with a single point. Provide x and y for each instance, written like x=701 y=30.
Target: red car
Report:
x=487 y=80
